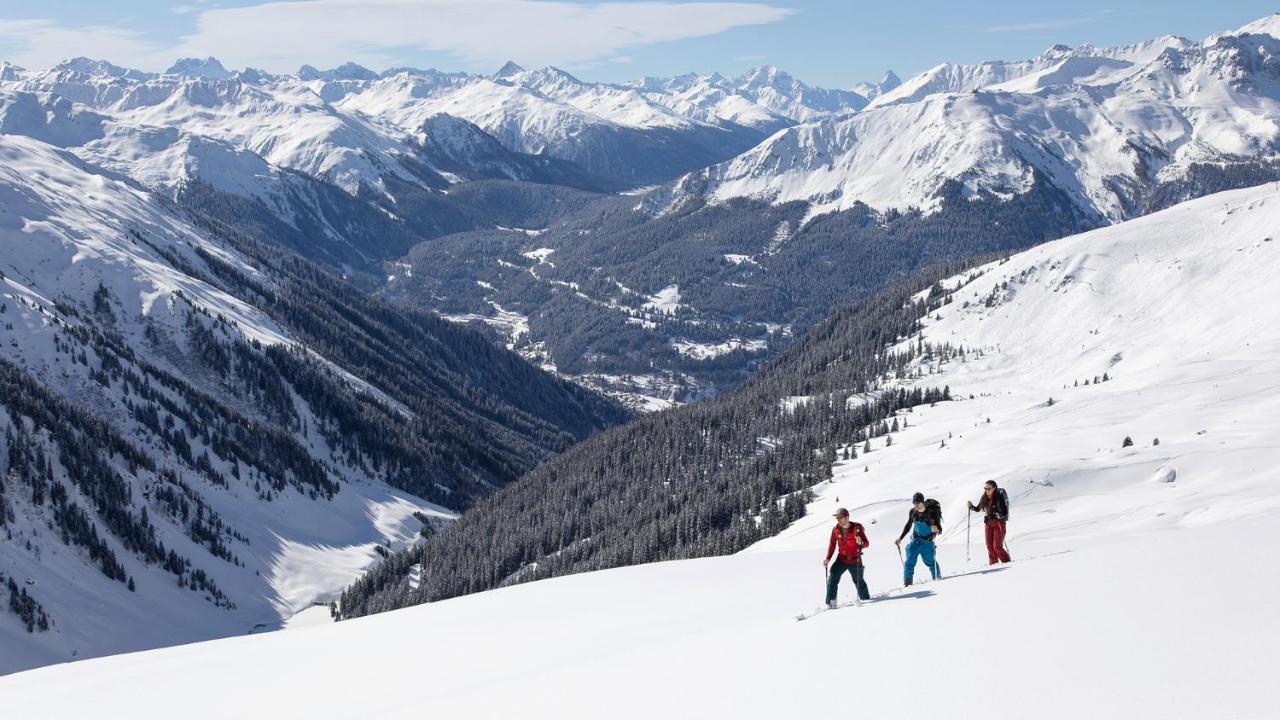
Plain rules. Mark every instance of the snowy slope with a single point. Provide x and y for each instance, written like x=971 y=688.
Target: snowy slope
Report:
x=1121 y=131
x=183 y=453
x=709 y=638
x=1124 y=598
x=67 y=228
x=1059 y=65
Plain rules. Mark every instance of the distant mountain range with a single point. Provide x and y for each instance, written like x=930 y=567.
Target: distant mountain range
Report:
x=681 y=290
x=1121 y=131
x=657 y=239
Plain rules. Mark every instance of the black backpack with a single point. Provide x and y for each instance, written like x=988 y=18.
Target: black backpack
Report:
x=1004 y=497
x=933 y=513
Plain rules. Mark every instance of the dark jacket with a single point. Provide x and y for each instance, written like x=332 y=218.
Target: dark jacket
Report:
x=995 y=507
x=927 y=517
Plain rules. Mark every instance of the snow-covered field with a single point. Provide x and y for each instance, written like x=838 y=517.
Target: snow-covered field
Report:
x=1142 y=584
x=1157 y=625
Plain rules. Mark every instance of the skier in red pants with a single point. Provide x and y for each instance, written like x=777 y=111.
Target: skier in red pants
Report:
x=995 y=504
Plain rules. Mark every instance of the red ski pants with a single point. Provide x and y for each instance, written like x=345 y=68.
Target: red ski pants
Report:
x=995 y=542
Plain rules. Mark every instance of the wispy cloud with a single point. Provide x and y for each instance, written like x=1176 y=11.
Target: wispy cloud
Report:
x=41 y=43
x=1050 y=24
x=280 y=36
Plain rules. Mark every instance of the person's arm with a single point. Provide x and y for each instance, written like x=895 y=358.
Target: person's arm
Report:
x=906 y=528
x=863 y=542
x=831 y=547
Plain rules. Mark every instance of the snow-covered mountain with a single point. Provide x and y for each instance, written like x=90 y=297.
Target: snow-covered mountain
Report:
x=1160 y=330
x=871 y=91
x=200 y=435
x=826 y=212
x=1059 y=65
x=353 y=168
x=1121 y=131
x=356 y=128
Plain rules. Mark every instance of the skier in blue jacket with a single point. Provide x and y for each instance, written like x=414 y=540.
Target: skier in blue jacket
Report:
x=924 y=523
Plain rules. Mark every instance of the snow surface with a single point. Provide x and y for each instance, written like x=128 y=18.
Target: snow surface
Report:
x=1141 y=585
x=715 y=638
x=705 y=351
x=666 y=300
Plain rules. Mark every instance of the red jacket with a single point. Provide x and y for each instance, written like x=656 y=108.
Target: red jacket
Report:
x=851 y=542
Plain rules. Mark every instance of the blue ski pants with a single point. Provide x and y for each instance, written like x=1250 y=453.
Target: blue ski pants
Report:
x=926 y=550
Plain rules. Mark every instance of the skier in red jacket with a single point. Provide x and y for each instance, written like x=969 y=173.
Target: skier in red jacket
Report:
x=850 y=539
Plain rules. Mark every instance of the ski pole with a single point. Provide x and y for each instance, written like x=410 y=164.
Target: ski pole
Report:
x=968 y=521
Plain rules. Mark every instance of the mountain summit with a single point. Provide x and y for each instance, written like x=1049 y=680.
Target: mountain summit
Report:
x=508 y=69
x=200 y=68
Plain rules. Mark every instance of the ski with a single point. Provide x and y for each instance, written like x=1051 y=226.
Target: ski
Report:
x=890 y=593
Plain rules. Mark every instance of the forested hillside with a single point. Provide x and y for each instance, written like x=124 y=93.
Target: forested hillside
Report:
x=661 y=303
x=706 y=479
x=202 y=433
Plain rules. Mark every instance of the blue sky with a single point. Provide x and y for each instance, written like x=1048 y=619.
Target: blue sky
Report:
x=826 y=42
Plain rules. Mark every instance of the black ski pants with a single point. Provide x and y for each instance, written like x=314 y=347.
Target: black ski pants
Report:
x=838 y=569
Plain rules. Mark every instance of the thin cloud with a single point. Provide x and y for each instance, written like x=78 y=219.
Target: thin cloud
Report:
x=281 y=36
x=1049 y=24
x=39 y=43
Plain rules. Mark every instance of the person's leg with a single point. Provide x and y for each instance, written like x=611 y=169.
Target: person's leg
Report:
x=1000 y=529
x=909 y=566
x=859 y=581
x=833 y=580
x=929 y=552
x=993 y=556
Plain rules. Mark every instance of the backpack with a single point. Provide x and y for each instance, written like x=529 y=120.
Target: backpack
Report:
x=933 y=511
x=1004 y=498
